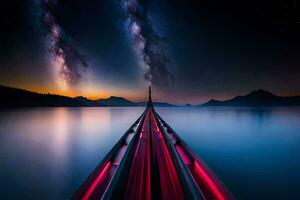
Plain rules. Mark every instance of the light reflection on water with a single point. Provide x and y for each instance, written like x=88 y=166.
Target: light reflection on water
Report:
x=46 y=153
x=254 y=151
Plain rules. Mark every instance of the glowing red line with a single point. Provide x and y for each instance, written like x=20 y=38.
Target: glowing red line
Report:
x=185 y=159
x=170 y=184
x=201 y=172
x=139 y=182
x=91 y=189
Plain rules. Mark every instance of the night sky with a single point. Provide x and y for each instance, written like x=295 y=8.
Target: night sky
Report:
x=189 y=50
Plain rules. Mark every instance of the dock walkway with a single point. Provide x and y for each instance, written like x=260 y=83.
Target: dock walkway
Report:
x=151 y=161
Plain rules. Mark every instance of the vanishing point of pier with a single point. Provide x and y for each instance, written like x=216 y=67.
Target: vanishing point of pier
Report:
x=151 y=161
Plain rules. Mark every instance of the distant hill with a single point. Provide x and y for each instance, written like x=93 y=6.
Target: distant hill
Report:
x=157 y=104
x=14 y=97
x=120 y=101
x=89 y=102
x=116 y=102
x=257 y=98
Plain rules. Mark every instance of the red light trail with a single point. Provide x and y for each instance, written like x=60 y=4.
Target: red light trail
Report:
x=153 y=164
x=138 y=184
x=208 y=181
x=169 y=182
x=97 y=181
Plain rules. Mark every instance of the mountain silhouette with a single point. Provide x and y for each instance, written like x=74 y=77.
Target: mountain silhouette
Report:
x=120 y=101
x=14 y=97
x=257 y=98
x=114 y=101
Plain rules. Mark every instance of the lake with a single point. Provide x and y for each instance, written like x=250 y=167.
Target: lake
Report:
x=46 y=153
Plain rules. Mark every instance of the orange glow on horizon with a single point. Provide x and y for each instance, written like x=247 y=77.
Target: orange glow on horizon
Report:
x=92 y=93
x=140 y=94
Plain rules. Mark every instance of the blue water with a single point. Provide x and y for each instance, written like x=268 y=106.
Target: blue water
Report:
x=46 y=153
x=255 y=152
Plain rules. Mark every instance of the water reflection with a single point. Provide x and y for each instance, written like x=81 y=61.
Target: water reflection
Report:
x=46 y=153
x=254 y=151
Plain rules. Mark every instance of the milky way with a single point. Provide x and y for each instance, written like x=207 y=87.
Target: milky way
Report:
x=149 y=45
x=63 y=48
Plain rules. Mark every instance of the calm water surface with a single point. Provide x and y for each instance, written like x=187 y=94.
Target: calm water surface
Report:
x=46 y=153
